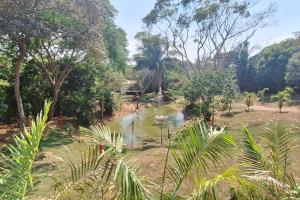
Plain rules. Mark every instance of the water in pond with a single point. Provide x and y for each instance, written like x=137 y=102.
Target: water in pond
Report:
x=146 y=125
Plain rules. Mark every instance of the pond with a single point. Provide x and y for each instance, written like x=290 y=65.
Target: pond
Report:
x=145 y=126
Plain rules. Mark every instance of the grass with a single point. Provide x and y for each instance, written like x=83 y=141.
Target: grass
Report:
x=56 y=137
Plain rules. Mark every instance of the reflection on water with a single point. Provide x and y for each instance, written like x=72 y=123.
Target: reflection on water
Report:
x=145 y=124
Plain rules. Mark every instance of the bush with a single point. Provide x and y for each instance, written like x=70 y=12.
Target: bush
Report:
x=3 y=105
x=192 y=110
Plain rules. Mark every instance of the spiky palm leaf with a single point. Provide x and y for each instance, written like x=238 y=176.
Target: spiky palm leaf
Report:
x=205 y=189
x=281 y=141
x=104 y=174
x=17 y=165
x=102 y=134
x=88 y=174
x=270 y=167
x=129 y=185
x=198 y=146
x=252 y=158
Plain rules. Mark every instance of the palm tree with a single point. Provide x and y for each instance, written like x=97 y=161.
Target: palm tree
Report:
x=198 y=147
x=16 y=166
x=283 y=96
x=153 y=55
x=270 y=168
x=250 y=98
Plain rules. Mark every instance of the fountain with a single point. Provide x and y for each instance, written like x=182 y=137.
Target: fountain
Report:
x=161 y=119
x=149 y=124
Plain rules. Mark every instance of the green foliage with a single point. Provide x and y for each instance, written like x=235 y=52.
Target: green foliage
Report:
x=116 y=42
x=3 y=105
x=174 y=79
x=272 y=61
x=263 y=93
x=35 y=88
x=17 y=165
x=207 y=188
x=20 y=17
x=206 y=86
x=293 y=70
x=102 y=172
x=229 y=93
x=84 y=107
x=60 y=36
x=153 y=55
x=270 y=168
x=197 y=146
x=283 y=96
x=271 y=69
x=250 y=99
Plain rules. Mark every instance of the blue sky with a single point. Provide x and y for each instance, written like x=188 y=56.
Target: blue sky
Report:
x=285 y=21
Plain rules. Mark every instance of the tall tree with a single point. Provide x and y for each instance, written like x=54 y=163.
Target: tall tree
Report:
x=115 y=40
x=211 y=27
x=153 y=55
x=208 y=28
x=18 y=25
x=293 y=70
x=241 y=62
x=76 y=30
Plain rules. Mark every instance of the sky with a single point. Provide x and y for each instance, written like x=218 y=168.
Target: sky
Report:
x=284 y=22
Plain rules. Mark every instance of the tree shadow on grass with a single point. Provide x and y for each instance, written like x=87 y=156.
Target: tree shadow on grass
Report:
x=56 y=138
x=231 y=114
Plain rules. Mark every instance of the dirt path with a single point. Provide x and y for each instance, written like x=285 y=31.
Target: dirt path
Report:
x=258 y=115
x=274 y=107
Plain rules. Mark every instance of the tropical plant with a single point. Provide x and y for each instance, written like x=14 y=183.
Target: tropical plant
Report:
x=198 y=146
x=153 y=55
x=143 y=81
x=206 y=189
x=250 y=99
x=102 y=172
x=16 y=166
x=270 y=168
x=262 y=94
x=283 y=96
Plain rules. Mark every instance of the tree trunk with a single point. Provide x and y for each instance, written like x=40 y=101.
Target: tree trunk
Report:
x=20 y=59
x=102 y=108
x=56 y=90
x=163 y=81
x=137 y=104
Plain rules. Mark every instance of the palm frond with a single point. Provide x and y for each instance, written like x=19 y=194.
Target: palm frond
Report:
x=252 y=158
x=264 y=177
x=197 y=146
x=205 y=189
x=129 y=185
x=269 y=169
x=90 y=173
x=103 y=134
x=15 y=174
x=102 y=174
x=281 y=141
